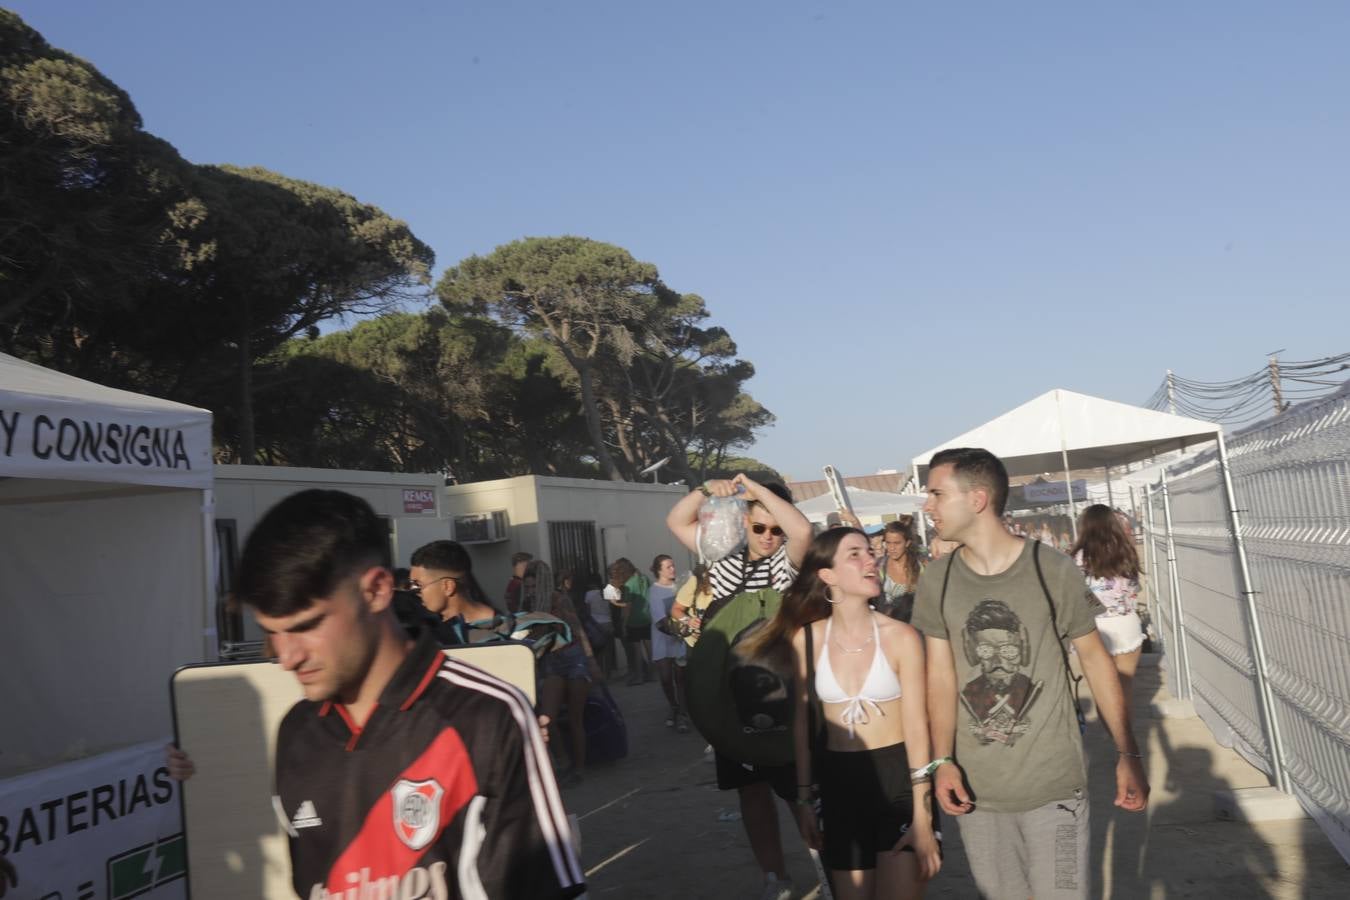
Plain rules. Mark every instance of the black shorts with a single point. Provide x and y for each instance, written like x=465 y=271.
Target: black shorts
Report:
x=635 y=633
x=732 y=775
x=867 y=804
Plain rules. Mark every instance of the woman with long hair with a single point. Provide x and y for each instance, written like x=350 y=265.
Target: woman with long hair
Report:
x=1107 y=556
x=863 y=681
x=901 y=567
x=565 y=673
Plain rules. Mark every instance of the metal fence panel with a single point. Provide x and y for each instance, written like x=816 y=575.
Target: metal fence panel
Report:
x=1222 y=673
x=1291 y=478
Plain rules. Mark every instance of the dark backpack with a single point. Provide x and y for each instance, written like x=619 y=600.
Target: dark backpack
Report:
x=742 y=706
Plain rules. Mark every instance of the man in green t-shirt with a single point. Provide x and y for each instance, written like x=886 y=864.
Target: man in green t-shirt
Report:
x=1000 y=706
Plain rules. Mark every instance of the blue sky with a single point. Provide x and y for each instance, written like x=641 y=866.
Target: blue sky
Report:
x=910 y=217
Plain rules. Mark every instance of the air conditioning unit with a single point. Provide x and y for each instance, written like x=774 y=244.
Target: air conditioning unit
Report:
x=481 y=528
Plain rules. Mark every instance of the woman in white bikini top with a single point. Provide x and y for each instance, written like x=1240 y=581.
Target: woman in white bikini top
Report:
x=880 y=686
x=878 y=835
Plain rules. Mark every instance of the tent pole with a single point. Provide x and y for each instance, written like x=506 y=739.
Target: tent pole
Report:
x=1110 y=499
x=1068 y=482
x=1068 y=488
x=1176 y=613
x=210 y=634
x=1258 y=646
x=920 y=519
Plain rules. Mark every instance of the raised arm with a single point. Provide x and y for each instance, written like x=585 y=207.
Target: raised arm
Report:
x=1100 y=670
x=796 y=527
x=683 y=519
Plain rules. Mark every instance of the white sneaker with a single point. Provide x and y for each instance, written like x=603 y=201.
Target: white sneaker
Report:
x=776 y=888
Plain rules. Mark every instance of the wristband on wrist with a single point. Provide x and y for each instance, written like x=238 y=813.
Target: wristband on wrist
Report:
x=704 y=489
x=1130 y=755
x=927 y=771
x=803 y=801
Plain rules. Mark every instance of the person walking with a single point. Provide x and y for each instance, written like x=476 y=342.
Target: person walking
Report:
x=1106 y=554
x=565 y=673
x=777 y=536
x=1005 y=729
x=861 y=728
x=602 y=614
x=900 y=568
x=400 y=767
x=668 y=650
x=627 y=594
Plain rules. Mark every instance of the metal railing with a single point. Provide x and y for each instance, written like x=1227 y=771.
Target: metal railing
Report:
x=1250 y=554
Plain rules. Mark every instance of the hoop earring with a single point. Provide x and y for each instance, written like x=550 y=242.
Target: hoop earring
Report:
x=828 y=598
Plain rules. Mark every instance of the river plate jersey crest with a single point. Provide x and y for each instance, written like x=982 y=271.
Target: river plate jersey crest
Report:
x=417 y=811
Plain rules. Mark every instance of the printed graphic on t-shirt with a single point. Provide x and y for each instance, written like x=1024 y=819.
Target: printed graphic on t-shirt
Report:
x=999 y=698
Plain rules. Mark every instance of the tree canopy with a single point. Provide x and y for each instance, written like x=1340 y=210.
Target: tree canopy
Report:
x=124 y=263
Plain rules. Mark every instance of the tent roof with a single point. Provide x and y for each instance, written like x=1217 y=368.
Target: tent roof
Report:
x=56 y=426
x=1095 y=432
x=865 y=503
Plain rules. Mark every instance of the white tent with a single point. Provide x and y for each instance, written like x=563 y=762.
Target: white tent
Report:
x=866 y=504
x=105 y=582
x=1062 y=430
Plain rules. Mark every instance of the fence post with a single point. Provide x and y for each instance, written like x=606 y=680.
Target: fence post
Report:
x=1163 y=617
x=1258 y=645
x=1176 y=613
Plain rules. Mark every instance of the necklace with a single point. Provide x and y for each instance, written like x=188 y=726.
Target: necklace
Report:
x=854 y=650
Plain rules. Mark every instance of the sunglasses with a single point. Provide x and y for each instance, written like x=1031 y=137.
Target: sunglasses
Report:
x=760 y=528
x=417 y=588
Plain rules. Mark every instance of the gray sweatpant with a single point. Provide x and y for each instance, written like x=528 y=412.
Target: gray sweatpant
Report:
x=1041 y=853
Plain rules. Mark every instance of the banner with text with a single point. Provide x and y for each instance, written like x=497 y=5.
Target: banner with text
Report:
x=107 y=827
x=1053 y=491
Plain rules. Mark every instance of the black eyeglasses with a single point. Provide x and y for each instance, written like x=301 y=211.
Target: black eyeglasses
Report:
x=760 y=528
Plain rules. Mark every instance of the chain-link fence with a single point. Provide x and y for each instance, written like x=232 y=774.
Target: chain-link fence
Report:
x=1270 y=675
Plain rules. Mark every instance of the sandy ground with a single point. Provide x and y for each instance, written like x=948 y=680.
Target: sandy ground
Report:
x=655 y=826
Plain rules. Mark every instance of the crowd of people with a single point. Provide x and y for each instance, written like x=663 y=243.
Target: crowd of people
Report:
x=874 y=685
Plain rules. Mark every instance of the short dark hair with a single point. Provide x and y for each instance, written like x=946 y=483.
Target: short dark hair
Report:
x=522 y=556
x=304 y=546
x=778 y=490
x=443 y=556
x=977 y=466
x=450 y=556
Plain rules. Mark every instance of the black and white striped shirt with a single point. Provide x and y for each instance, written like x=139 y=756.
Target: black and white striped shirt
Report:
x=735 y=574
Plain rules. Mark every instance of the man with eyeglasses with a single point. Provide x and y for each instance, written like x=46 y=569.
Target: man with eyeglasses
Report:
x=441 y=575
x=777 y=538
x=1006 y=742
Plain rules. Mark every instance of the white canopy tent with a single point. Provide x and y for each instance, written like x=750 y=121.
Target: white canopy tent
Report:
x=1062 y=429
x=866 y=504
x=105 y=509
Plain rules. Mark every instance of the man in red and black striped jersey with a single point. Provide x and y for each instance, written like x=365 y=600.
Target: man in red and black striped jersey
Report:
x=402 y=773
